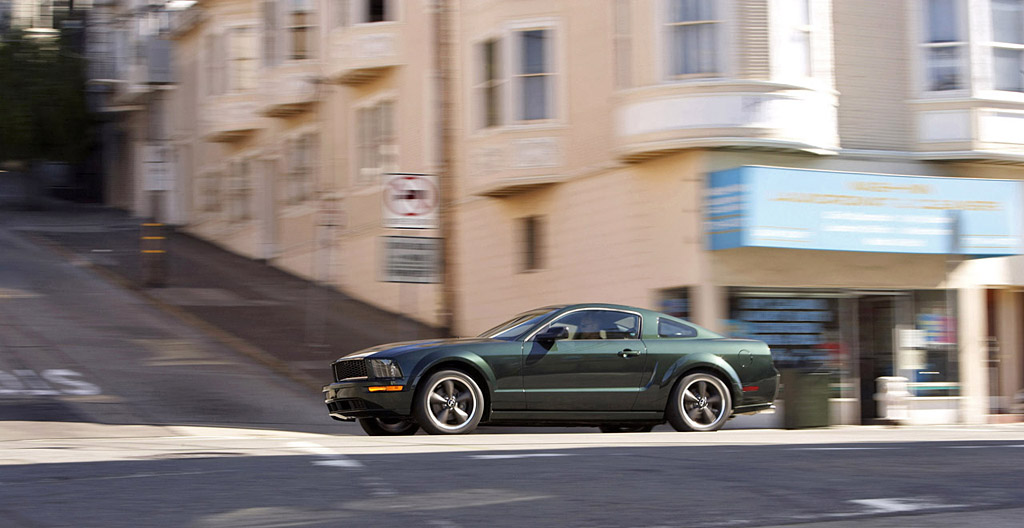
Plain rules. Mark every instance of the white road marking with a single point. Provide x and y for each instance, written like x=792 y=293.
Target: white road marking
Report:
x=523 y=455
x=333 y=458
x=883 y=506
x=896 y=505
x=51 y=382
x=343 y=462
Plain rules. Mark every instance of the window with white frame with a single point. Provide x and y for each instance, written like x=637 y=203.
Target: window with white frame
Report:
x=693 y=35
x=301 y=29
x=377 y=148
x=341 y=13
x=239 y=192
x=373 y=11
x=216 y=74
x=794 y=40
x=242 y=58
x=531 y=249
x=489 y=83
x=271 y=57
x=302 y=157
x=622 y=41
x=944 y=46
x=534 y=74
x=1008 y=45
x=209 y=192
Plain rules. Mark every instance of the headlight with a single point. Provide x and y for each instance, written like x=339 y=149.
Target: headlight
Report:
x=384 y=368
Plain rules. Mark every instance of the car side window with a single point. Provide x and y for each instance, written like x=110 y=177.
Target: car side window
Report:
x=667 y=328
x=600 y=324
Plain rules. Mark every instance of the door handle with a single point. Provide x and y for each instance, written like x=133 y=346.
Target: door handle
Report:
x=627 y=353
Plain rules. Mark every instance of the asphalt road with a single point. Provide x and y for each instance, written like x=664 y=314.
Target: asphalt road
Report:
x=114 y=413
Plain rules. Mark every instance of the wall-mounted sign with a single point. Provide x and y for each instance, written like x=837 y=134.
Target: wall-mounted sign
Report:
x=807 y=209
x=411 y=259
x=410 y=201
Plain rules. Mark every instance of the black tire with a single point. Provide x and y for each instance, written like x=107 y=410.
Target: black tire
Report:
x=449 y=402
x=699 y=402
x=621 y=428
x=388 y=426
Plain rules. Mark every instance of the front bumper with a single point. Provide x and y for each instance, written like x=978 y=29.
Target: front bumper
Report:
x=350 y=400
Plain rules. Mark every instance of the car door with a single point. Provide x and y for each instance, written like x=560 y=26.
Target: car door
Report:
x=598 y=367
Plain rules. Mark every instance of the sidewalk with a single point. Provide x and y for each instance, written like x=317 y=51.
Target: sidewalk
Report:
x=273 y=317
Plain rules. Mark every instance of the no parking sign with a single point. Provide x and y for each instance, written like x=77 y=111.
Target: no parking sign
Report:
x=410 y=201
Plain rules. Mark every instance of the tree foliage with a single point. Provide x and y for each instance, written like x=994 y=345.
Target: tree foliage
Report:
x=43 y=113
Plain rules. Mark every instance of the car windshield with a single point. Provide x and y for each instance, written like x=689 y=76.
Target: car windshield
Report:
x=519 y=325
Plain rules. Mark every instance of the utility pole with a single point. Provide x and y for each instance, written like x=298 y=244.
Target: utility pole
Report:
x=443 y=60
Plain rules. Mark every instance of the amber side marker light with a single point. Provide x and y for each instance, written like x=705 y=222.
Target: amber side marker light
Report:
x=387 y=388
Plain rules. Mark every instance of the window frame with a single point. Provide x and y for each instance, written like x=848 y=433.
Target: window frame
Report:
x=490 y=90
x=995 y=46
x=531 y=233
x=270 y=24
x=301 y=167
x=637 y=333
x=382 y=148
x=962 y=44
x=215 y=54
x=209 y=193
x=239 y=192
x=693 y=331
x=721 y=48
x=783 y=30
x=622 y=44
x=232 y=62
x=517 y=77
x=307 y=26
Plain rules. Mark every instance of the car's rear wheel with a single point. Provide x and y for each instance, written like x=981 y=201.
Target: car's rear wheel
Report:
x=699 y=402
x=388 y=426
x=449 y=402
x=620 y=428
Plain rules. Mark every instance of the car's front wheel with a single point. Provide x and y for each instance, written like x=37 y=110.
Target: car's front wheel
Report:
x=699 y=402
x=388 y=426
x=449 y=402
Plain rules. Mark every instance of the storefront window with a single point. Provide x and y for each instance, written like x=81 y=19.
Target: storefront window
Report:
x=927 y=353
x=804 y=332
x=676 y=302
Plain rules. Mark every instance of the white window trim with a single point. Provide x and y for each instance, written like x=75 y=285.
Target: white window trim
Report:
x=986 y=62
x=256 y=26
x=663 y=55
x=284 y=35
x=918 y=31
x=510 y=97
x=283 y=187
x=512 y=58
x=202 y=195
x=477 y=113
x=356 y=179
x=780 y=29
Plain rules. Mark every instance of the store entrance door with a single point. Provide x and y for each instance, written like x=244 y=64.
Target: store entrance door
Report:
x=878 y=316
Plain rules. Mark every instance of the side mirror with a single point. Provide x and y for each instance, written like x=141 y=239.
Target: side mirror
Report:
x=553 y=334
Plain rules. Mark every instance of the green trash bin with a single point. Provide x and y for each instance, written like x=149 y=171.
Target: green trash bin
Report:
x=806 y=399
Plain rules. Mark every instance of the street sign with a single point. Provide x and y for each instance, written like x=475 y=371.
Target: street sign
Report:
x=411 y=259
x=411 y=201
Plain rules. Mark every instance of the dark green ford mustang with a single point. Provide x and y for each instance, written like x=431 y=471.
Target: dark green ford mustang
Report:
x=616 y=367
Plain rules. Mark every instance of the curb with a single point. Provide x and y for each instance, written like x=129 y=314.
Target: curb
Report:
x=217 y=334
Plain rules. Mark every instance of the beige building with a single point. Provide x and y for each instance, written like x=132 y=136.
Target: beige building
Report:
x=839 y=178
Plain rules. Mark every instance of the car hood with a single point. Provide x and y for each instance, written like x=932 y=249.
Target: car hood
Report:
x=404 y=347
